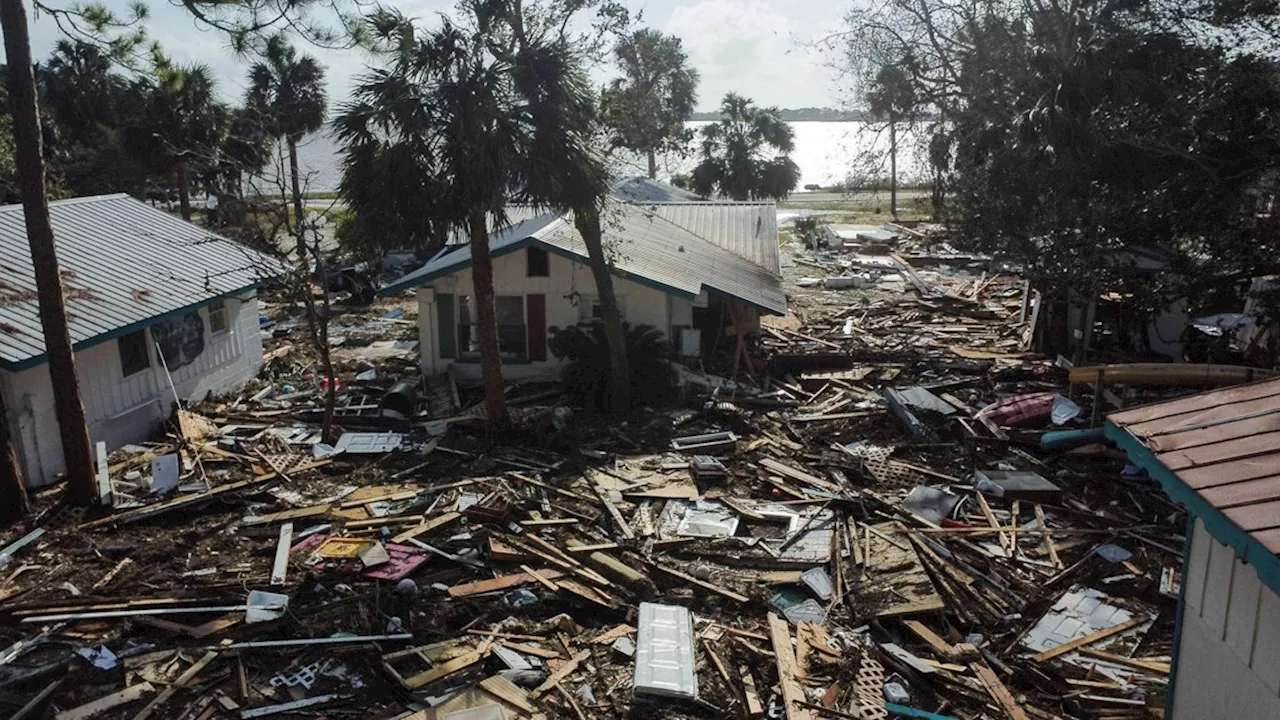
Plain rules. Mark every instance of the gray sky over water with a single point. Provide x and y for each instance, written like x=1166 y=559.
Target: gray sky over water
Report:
x=755 y=47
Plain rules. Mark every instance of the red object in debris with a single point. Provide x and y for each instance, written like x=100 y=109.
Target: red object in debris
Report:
x=1019 y=409
x=324 y=384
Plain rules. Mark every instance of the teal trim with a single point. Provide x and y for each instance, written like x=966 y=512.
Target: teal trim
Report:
x=905 y=711
x=42 y=358
x=1215 y=522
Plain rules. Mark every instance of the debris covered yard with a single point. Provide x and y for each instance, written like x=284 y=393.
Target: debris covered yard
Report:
x=901 y=513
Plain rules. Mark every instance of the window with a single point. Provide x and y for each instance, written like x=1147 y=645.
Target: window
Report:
x=134 y=357
x=218 y=318
x=512 y=333
x=539 y=263
x=589 y=308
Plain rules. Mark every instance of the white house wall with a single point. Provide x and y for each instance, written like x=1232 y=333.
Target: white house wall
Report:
x=1229 y=648
x=643 y=305
x=122 y=410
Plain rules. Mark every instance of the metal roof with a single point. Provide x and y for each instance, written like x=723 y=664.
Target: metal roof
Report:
x=648 y=249
x=1224 y=445
x=749 y=230
x=642 y=189
x=124 y=264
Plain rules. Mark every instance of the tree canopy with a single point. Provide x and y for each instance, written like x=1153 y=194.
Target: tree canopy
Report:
x=1072 y=138
x=745 y=153
x=646 y=109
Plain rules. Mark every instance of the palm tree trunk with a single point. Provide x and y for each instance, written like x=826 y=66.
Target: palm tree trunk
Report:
x=893 y=170
x=13 y=492
x=486 y=321
x=653 y=165
x=184 y=192
x=588 y=224
x=296 y=185
x=76 y=450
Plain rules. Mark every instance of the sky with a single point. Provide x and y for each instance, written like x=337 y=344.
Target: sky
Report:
x=759 y=48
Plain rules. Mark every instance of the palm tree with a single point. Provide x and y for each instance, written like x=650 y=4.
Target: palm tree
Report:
x=288 y=91
x=892 y=98
x=646 y=109
x=182 y=125
x=744 y=154
x=446 y=103
x=566 y=172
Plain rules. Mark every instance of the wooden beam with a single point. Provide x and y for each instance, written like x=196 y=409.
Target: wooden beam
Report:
x=932 y=638
x=1087 y=640
x=565 y=671
x=500 y=583
x=1160 y=668
x=426 y=527
x=792 y=694
x=999 y=692
x=702 y=584
x=102 y=704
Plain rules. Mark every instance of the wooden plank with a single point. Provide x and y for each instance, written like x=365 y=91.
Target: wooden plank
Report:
x=1160 y=668
x=102 y=704
x=608 y=636
x=1180 y=374
x=1249 y=492
x=314 y=511
x=541 y=580
x=443 y=670
x=702 y=583
x=531 y=650
x=932 y=638
x=1229 y=452
x=508 y=692
x=620 y=524
x=804 y=477
x=999 y=692
x=755 y=709
x=26 y=710
x=1049 y=547
x=563 y=672
x=183 y=680
x=792 y=694
x=1087 y=640
x=499 y=583
x=280 y=568
x=426 y=527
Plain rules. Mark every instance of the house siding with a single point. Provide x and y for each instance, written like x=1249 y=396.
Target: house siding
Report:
x=121 y=410
x=643 y=305
x=1228 y=661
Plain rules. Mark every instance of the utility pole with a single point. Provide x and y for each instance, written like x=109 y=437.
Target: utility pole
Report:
x=76 y=450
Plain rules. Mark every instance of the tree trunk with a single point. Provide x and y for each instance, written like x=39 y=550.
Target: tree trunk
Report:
x=486 y=321
x=184 y=191
x=317 y=319
x=299 y=212
x=13 y=492
x=76 y=449
x=653 y=165
x=588 y=224
x=893 y=170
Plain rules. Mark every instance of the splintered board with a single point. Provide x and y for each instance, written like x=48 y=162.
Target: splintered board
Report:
x=899 y=568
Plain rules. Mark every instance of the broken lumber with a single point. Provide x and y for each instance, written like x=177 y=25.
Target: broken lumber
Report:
x=793 y=696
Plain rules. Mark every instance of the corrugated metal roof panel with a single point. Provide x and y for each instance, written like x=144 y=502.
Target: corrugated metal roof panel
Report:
x=1225 y=446
x=122 y=262
x=642 y=189
x=748 y=230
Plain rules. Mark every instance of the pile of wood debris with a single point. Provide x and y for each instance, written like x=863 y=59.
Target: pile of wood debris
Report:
x=884 y=522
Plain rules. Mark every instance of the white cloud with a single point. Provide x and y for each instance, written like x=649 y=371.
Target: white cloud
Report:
x=757 y=48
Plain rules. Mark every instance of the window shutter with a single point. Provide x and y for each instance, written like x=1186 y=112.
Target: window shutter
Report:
x=536 y=317
x=447 y=326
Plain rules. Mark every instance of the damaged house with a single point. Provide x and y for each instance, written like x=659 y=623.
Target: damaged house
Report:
x=158 y=309
x=699 y=271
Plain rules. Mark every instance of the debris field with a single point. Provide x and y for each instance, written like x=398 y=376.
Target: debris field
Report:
x=899 y=511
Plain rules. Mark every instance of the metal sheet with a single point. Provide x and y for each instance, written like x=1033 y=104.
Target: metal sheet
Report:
x=664 y=653
x=368 y=443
